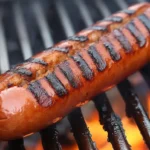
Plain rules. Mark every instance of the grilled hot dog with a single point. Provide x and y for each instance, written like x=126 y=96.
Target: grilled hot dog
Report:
x=49 y=85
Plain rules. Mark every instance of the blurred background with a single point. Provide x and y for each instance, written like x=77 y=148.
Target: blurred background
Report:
x=29 y=26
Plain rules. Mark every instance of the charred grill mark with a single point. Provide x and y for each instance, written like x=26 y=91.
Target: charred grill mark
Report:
x=60 y=49
x=114 y=19
x=123 y=40
x=114 y=55
x=136 y=33
x=129 y=11
x=40 y=94
x=22 y=71
x=99 y=28
x=36 y=60
x=66 y=70
x=56 y=84
x=145 y=20
x=78 y=38
x=97 y=59
x=86 y=71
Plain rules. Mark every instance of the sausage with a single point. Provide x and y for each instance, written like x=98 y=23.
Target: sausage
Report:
x=48 y=86
x=37 y=66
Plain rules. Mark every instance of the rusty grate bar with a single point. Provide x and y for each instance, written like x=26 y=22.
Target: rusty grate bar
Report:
x=112 y=123
x=16 y=144
x=135 y=110
x=50 y=138
x=80 y=131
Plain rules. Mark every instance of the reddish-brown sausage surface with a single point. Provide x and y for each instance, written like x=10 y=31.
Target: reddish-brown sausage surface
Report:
x=49 y=85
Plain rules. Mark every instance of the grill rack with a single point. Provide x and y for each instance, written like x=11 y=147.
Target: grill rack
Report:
x=109 y=119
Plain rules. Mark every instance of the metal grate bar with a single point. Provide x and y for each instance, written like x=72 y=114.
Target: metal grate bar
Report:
x=136 y=110
x=76 y=132
x=80 y=131
x=16 y=144
x=86 y=16
x=146 y=73
x=64 y=18
x=50 y=138
x=140 y=1
x=22 y=31
x=43 y=25
x=4 y=60
x=102 y=8
x=122 y=4
x=112 y=123
x=4 y=65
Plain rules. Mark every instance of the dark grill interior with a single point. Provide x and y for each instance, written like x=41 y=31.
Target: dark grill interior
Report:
x=27 y=27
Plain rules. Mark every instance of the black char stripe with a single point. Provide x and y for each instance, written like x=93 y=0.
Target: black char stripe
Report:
x=114 y=55
x=40 y=94
x=136 y=33
x=78 y=38
x=114 y=19
x=129 y=11
x=56 y=84
x=123 y=40
x=145 y=20
x=97 y=59
x=60 y=49
x=22 y=71
x=66 y=70
x=86 y=71
x=37 y=60
x=98 y=28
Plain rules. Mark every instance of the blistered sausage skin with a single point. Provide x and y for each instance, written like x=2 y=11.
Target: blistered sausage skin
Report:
x=65 y=80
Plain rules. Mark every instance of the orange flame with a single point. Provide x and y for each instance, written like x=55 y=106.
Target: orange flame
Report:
x=99 y=136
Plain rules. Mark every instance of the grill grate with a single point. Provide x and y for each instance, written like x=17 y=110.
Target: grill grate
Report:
x=16 y=144
x=80 y=130
x=50 y=138
x=135 y=109
x=38 y=25
x=112 y=123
